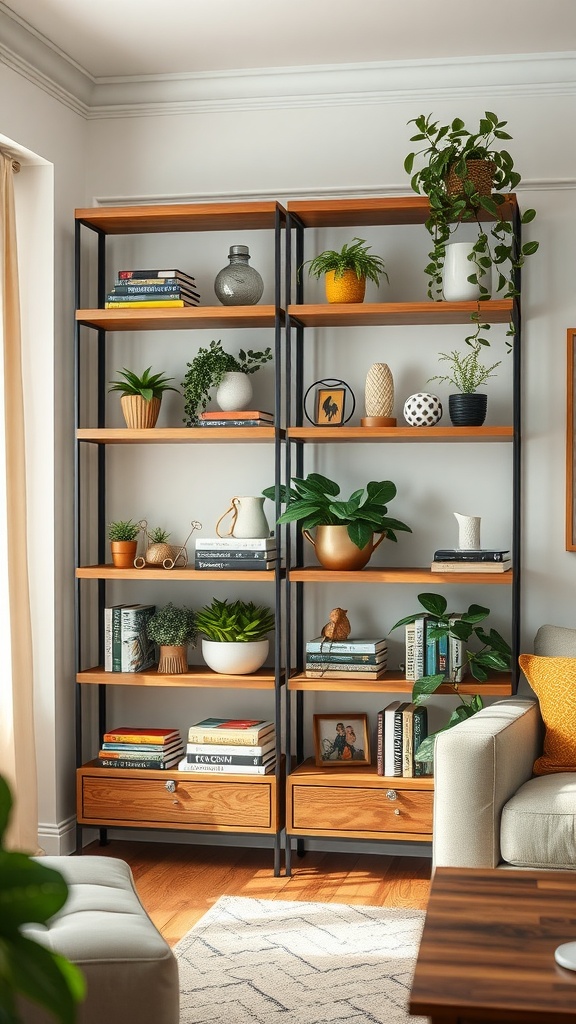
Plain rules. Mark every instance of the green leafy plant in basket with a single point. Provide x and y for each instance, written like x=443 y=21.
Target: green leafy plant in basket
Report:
x=30 y=892
x=354 y=256
x=206 y=371
x=235 y=622
x=494 y=655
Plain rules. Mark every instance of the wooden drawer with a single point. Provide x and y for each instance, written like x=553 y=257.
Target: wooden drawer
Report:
x=357 y=804
x=139 y=798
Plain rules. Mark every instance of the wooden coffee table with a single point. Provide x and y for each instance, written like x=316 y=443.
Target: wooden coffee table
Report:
x=487 y=950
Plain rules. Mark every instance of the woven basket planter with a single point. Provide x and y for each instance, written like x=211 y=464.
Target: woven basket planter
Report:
x=140 y=413
x=173 y=660
x=480 y=173
x=347 y=288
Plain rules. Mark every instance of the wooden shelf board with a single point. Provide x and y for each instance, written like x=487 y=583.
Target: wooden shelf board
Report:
x=321 y=435
x=361 y=775
x=375 y=574
x=381 y=314
x=197 y=675
x=387 y=210
x=177 y=435
x=179 y=319
x=110 y=572
x=500 y=685
x=138 y=220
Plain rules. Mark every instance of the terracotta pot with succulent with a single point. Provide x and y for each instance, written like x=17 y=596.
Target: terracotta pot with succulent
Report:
x=467 y=175
x=347 y=271
x=235 y=638
x=174 y=630
x=493 y=654
x=123 y=537
x=468 y=407
x=214 y=368
x=344 y=530
x=31 y=893
x=141 y=396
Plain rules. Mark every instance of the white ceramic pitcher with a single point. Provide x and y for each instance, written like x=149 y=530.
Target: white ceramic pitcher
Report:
x=248 y=519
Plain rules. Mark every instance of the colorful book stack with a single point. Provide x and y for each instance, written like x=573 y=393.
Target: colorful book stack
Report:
x=149 y=289
x=401 y=727
x=471 y=560
x=353 y=658
x=256 y=554
x=242 y=418
x=427 y=655
x=230 y=746
x=126 y=644
x=134 y=747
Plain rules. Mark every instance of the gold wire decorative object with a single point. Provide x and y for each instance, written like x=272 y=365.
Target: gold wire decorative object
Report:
x=177 y=557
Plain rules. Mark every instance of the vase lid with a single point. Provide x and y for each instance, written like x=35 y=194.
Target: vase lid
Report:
x=239 y=250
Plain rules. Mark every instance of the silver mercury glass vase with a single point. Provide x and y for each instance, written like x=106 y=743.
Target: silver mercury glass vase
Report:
x=239 y=284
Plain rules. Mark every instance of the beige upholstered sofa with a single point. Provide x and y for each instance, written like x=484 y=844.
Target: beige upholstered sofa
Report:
x=489 y=809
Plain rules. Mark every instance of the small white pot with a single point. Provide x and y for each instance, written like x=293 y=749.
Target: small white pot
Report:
x=234 y=392
x=235 y=659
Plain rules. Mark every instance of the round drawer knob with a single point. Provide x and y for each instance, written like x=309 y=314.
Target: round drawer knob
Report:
x=397 y=811
x=391 y=794
x=171 y=786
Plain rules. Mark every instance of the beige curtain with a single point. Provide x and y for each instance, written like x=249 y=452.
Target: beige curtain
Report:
x=17 y=746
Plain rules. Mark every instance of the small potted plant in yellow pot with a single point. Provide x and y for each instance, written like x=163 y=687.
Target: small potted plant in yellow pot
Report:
x=123 y=537
x=346 y=271
x=141 y=396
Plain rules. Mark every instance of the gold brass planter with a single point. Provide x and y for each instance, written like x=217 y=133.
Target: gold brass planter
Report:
x=335 y=550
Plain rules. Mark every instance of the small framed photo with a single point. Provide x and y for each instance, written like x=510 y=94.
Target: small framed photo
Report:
x=329 y=407
x=341 y=740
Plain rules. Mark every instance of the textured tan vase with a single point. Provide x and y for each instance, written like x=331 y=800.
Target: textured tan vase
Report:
x=140 y=413
x=347 y=288
x=335 y=550
x=123 y=553
x=173 y=660
x=157 y=553
x=480 y=173
x=379 y=397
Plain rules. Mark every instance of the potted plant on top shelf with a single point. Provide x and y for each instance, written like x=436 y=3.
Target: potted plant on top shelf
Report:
x=346 y=271
x=141 y=396
x=466 y=176
x=235 y=638
x=174 y=630
x=468 y=407
x=345 y=530
x=214 y=368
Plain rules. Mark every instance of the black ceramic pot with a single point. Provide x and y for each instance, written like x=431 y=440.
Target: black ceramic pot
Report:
x=467 y=410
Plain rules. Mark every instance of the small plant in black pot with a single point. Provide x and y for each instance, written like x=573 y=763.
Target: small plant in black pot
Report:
x=467 y=408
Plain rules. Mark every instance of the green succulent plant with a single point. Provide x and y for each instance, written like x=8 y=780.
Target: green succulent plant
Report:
x=312 y=502
x=206 y=371
x=235 y=622
x=354 y=256
x=123 y=529
x=494 y=654
x=158 y=535
x=31 y=892
x=468 y=373
x=147 y=385
x=172 y=627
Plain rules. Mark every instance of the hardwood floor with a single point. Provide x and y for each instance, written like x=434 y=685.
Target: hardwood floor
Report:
x=178 y=883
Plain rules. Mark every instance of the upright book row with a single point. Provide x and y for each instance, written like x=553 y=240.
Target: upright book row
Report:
x=428 y=656
x=401 y=728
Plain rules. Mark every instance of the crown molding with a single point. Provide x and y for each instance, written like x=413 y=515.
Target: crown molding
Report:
x=36 y=58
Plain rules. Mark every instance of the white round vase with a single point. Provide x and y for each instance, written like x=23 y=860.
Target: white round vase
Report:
x=235 y=659
x=457 y=269
x=422 y=409
x=234 y=391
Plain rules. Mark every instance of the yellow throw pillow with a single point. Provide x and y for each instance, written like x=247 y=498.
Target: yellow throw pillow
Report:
x=554 y=683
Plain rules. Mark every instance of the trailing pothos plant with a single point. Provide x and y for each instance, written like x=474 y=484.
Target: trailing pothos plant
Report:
x=494 y=654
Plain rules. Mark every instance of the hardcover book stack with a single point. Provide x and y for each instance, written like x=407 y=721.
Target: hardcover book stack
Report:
x=429 y=656
x=152 y=289
x=133 y=747
x=355 y=659
x=401 y=727
x=239 y=418
x=229 y=746
x=471 y=560
x=126 y=644
x=255 y=554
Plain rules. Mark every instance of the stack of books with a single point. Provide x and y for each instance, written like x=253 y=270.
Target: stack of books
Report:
x=355 y=659
x=239 y=418
x=134 y=747
x=258 y=554
x=427 y=656
x=126 y=644
x=401 y=727
x=471 y=560
x=149 y=289
x=231 y=747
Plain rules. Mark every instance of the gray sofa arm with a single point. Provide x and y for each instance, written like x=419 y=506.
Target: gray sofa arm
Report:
x=478 y=766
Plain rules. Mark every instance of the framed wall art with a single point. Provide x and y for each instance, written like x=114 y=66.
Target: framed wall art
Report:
x=334 y=403
x=570 y=440
x=341 y=740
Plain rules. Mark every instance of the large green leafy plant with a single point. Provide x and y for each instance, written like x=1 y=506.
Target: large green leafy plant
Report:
x=206 y=371
x=493 y=654
x=237 y=622
x=31 y=892
x=313 y=502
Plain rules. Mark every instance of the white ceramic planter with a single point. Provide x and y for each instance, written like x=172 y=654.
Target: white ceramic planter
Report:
x=235 y=659
x=457 y=270
x=234 y=392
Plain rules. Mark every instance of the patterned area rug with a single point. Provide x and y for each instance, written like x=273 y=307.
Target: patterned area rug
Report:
x=268 y=961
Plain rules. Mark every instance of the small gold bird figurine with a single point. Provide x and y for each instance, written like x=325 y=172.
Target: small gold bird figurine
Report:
x=338 y=627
